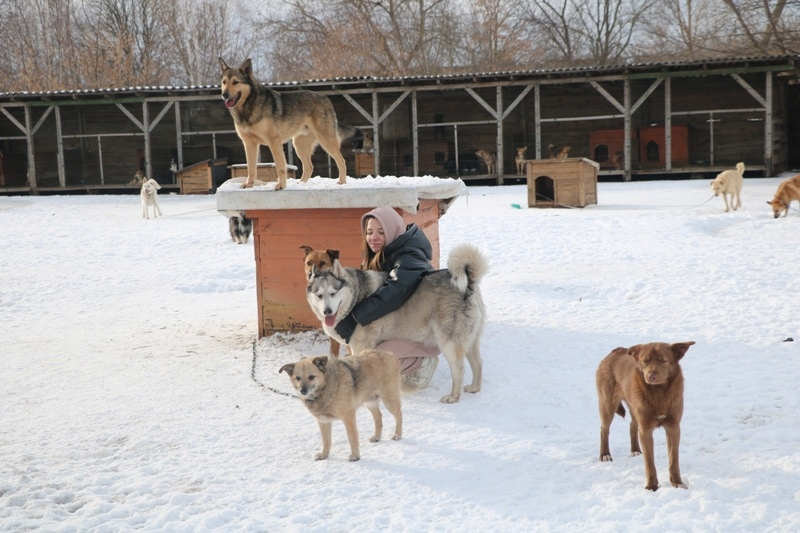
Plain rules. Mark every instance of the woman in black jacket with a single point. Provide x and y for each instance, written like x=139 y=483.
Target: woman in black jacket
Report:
x=405 y=253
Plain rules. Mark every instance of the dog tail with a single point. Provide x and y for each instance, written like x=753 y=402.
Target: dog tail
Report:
x=347 y=132
x=740 y=168
x=467 y=265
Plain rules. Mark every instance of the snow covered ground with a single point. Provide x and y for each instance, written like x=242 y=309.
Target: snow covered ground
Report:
x=127 y=402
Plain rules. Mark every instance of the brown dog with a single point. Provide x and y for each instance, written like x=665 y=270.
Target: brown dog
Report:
x=321 y=261
x=333 y=389
x=488 y=158
x=520 y=160
x=787 y=191
x=648 y=378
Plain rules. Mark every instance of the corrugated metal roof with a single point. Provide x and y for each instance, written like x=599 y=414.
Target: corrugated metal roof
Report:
x=444 y=79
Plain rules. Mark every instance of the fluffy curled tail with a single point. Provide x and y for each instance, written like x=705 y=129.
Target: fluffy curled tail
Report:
x=347 y=132
x=740 y=168
x=467 y=265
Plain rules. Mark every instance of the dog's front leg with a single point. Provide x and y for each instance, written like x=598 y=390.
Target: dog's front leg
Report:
x=325 y=431
x=352 y=435
x=156 y=208
x=276 y=147
x=673 y=443
x=251 y=154
x=646 y=440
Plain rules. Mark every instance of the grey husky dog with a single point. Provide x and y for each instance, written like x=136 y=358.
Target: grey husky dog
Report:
x=446 y=310
x=263 y=116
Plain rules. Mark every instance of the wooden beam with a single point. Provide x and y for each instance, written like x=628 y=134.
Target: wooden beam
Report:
x=481 y=101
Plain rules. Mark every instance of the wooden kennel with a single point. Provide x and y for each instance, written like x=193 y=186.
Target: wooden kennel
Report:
x=324 y=218
x=203 y=177
x=562 y=182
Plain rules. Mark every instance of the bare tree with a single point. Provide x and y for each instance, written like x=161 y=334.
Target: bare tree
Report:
x=200 y=31
x=684 y=28
x=128 y=40
x=557 y=22
x=609 y=26
x=36 y=38
x=379 y=37
x=766 y=27
x=499 y=35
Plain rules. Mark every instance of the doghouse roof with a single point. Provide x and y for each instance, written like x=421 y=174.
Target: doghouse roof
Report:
x=785 y=63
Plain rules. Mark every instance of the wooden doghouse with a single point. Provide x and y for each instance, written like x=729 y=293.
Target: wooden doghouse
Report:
x=652 y=146
x=562 y=182
x=323 y=218
x=203 y=177
x=264 y=172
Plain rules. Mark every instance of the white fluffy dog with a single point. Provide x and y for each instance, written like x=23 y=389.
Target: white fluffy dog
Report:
x=729 y=182
x=149 y=196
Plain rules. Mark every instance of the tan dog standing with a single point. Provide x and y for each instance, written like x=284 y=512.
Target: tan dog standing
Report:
x=787 y=191
x=321 y=261
x=489 y=159
x=520 y=159
x=263 y=116
x=648 y=378
x=729 y=183
x=334 y=389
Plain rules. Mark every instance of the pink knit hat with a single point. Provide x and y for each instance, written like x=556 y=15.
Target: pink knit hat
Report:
x=392 y=223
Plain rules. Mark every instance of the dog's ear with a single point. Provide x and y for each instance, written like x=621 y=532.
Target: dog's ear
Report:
x=320 y=362
x=288 y=368
x=247 y=67
x=223 y=65
x=306 y=249
x=680 y=349
x=338 y=269
x=155 y=184
x=333 y=254
x=635 y=351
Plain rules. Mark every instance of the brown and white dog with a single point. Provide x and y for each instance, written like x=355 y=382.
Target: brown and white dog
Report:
x=556 y=153
x=520 y=159
x=334 y=388
x=648 y=378
x=321 y=260
x=787 y=191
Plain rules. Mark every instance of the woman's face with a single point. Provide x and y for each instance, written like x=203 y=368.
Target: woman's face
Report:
x=376 y=240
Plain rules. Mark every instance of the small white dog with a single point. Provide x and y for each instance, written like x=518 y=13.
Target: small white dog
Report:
x=149 y=196
x=729 y=182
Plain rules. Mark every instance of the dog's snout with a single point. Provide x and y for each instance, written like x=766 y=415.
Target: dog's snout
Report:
x=303 y=390
x=225 y=95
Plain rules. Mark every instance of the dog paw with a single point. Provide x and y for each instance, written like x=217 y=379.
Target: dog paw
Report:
x=606 y=458
x=679 y=484
x=449 y=399
x=652 y=487
x=320 y=456
x=247 y=185
x=354 y=457
x=634 y=453
x=472 y=388
x=396 y=436
x=375 y=438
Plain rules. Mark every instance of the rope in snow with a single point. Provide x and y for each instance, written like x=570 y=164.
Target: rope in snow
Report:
x=190 y=212
x=698 y=205
x=253 y=376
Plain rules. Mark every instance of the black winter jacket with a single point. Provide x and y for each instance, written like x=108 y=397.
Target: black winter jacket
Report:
x=407 y=259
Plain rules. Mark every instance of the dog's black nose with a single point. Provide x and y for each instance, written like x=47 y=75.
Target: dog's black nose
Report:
x=225 y=95
x=303 y=390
